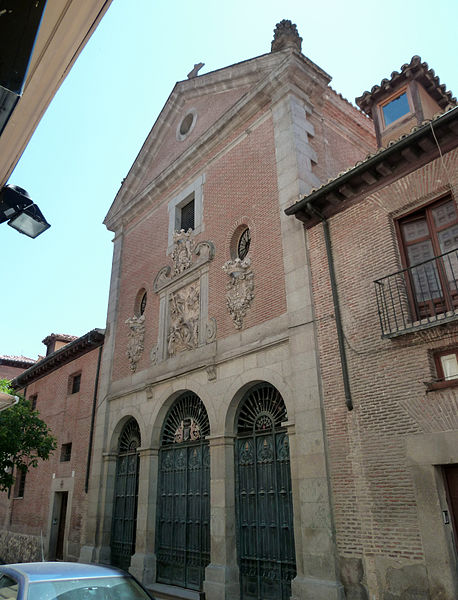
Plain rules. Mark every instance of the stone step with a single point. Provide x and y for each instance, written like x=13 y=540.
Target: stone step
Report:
x=162 y=591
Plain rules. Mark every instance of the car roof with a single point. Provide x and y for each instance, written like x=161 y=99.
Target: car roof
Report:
x=47 y=571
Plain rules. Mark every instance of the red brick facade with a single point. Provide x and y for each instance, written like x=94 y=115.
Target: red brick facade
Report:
x=376 y=494
x=27 y=520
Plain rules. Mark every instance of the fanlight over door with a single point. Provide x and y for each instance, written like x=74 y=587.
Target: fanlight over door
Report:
x=183 y=510
x=126 y=494
x=265 y=537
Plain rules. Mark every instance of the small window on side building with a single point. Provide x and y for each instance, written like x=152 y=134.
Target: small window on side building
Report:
x=66 y=452
x=20 y=484
x=395 y=108
x=447 y=365
x=74 y=383
x=33 y=401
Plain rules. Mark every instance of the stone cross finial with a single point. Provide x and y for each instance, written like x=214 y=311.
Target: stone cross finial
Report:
x=286 y=36
x=196 y=70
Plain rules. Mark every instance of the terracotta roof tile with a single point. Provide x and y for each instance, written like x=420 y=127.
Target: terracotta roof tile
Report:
x=416 y=69
x=23 y=359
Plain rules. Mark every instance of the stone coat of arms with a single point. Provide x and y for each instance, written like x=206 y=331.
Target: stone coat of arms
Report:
x=239 y=289
x=136 y=337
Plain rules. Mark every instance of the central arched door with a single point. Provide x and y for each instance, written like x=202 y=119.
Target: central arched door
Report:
x=124 y=521
x=265 y=537
x=183 y=505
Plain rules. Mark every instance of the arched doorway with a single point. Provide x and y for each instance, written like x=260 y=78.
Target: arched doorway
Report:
x=183 y=503
x=265 y=537
x=124 y=521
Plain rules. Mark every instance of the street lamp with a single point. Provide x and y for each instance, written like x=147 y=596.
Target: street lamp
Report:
x=17 y=207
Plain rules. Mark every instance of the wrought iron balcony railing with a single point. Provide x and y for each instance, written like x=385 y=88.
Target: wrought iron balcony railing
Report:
x=420 y=296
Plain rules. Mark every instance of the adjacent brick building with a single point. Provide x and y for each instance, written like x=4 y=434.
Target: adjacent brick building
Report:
x=382 y=241
x=11 y=366
x=45 y=512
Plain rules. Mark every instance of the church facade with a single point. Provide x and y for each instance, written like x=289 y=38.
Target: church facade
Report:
x=210 y=472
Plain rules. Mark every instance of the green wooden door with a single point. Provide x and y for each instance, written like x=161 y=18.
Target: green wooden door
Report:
x=183 y=534
x=265 y=537
x=124 y=521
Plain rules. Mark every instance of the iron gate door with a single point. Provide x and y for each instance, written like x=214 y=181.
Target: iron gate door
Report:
x=183 y=533
x=265 y=537
x=124 y=522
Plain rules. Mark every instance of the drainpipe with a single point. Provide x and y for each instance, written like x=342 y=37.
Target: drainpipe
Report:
x=335 y=298
x=91 y=432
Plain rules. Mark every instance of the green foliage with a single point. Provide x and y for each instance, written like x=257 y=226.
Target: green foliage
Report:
x=5 y=386
x=24 y=439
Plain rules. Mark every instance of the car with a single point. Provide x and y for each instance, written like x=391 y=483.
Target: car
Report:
x=68 y=581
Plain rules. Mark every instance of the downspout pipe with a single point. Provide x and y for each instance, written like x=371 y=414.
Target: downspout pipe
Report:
x=91 y=432
x=335 y=298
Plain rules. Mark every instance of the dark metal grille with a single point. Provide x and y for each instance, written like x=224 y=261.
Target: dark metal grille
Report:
x=143 y=303
x=183 y=532
x=126 y=496
x=265 y=536
x=419 y=296
x=263 y=409
x=243 y=246
x=189 y=416
x=187 y=216
x=65 y=452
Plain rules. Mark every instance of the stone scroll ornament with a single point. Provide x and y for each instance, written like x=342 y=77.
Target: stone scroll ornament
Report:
x=184 y=319
x=136 y=337
x=239 y=289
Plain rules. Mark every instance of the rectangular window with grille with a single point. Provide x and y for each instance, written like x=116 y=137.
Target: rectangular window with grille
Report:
x=187 y=216
x=66 y=452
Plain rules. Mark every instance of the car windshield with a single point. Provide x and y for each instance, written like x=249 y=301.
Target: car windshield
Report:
x=98 y=588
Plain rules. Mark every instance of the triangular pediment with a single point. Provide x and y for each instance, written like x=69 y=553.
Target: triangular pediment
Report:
x=210 y=102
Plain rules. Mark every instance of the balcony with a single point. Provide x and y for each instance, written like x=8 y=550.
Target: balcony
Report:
x=420 y=296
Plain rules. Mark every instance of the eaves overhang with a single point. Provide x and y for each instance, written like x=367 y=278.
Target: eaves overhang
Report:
x=425 y=143
x=82 y=345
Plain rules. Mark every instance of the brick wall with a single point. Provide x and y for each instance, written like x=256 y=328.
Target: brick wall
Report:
x=68 y=416
x=375 y=507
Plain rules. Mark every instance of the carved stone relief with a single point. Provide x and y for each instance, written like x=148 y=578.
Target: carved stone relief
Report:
x=184 y=259
x=211 y=372
x=239 y=289
x=183 y=246
x=184 y=310
x=136 y=337
x=183 y=293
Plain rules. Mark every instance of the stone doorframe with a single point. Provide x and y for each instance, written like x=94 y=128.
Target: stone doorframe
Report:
x=426 y=453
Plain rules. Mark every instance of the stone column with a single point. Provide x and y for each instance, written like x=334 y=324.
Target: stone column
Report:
x=143 y=562
x=222 y=574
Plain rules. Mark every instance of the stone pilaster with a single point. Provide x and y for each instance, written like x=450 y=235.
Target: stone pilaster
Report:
x=222 y=574
x=143 y=562
x=103 y=467
x=316 y=556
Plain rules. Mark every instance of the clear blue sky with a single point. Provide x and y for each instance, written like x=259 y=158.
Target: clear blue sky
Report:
x=95 y=126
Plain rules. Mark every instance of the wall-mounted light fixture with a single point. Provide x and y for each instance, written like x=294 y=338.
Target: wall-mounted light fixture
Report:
x=22 y=214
